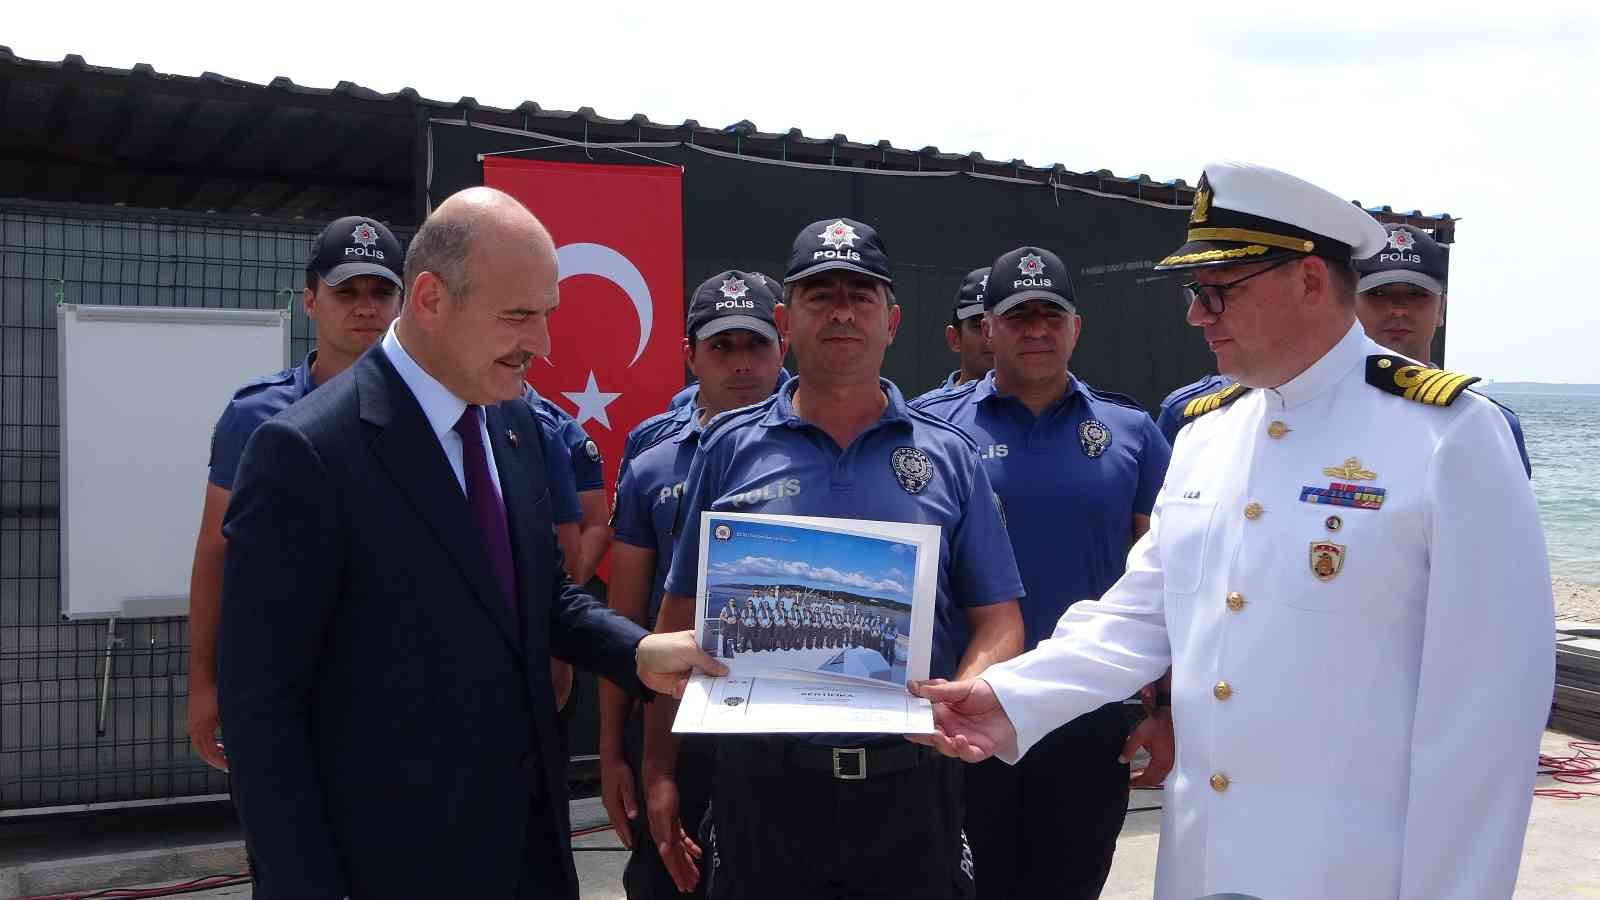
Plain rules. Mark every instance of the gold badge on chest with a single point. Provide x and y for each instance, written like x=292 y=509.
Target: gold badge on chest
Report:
x=1350 y=471
x=1327 y=558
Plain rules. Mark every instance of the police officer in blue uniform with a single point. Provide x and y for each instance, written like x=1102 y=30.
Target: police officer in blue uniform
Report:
x=1077 y=470
x=686 y=396
x=352 y=293
x=1401 y=299
x=964 y=335
x=802 y=815
x=731 y=343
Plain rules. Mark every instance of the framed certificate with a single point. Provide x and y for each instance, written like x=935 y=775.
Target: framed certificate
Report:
x=820 y=621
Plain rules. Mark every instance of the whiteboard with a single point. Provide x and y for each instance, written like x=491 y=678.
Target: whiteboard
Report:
x=141 y=388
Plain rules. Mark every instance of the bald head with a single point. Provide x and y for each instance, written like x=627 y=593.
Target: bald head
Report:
x=482 y=272
x=445 y=242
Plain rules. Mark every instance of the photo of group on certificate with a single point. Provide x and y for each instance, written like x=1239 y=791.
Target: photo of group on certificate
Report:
x=792 y=597
x=792 y=601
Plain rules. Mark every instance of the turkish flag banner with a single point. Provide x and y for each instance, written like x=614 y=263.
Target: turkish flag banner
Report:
x=616 y=339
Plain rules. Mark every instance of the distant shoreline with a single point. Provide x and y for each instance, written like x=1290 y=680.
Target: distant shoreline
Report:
x=1537 y=387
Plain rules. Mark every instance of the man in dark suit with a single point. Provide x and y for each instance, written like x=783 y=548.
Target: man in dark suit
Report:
x=392 y=597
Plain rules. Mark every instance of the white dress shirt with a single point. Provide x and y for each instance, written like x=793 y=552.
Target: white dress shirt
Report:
x=1373 y=733
x=442 y=408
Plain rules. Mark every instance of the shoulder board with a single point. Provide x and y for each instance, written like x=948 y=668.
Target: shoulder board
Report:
x=1205 y=403
x=283 y=376
x=1404 y=378
x=1119 y=399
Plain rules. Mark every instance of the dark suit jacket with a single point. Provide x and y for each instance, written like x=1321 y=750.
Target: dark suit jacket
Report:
x=390 y=728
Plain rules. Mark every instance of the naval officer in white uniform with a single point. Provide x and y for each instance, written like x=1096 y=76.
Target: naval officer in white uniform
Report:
x=1346 y=572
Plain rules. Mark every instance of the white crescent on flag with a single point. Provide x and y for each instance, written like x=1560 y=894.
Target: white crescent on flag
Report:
x=598 y=259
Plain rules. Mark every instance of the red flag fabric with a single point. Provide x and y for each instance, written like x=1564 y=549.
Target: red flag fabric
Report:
x=615 y=355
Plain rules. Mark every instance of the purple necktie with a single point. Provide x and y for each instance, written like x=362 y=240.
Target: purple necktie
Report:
x=488 y=513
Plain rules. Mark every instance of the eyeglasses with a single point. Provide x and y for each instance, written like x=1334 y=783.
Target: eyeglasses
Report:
x=1214 y=296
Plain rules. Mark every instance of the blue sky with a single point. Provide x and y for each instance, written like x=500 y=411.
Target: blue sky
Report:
x=1486 y=111
x=774 y=554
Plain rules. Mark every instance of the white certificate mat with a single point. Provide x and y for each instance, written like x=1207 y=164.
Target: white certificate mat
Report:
x=820 y=621
x=734 y=705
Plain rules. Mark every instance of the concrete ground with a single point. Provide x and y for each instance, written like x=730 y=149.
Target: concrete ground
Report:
x=1561 y=858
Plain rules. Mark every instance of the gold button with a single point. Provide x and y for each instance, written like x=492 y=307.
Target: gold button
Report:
x=1235 y=601
x=1222 y=691
x=1277 y=430
x=1252 y=511
x=1219 y=782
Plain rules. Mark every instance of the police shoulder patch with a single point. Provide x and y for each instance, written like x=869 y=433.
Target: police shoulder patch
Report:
x=1205 y=403
x=1404 y=378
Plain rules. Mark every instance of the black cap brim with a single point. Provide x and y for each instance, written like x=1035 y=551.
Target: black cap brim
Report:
x=729 y=323
x=1009 y=303
x=1206 y=254
x=831 y=264
x=346 y=271
x=1400 y=276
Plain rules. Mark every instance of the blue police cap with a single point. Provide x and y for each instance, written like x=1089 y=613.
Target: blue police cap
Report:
x=733 y=299
x=1028 y=273
x=838 y=244
x=969 y=297
x=1411 y=256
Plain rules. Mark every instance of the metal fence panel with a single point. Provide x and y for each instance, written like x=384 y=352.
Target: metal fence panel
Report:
x=58 y=745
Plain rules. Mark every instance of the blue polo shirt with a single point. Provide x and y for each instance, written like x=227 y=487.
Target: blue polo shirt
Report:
x=766 y=459
x=651 y=431
x=946 y=386
x=1170 y=420
x=564 y=507
x=251 y=405
x=689 y=394
x=582 y=452
x=1070 y=482
x=647 y=499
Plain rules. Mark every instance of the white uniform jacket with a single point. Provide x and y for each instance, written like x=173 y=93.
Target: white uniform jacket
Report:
x=1372 y=733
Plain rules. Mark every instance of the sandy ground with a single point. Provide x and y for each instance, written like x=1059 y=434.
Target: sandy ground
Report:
x=1575 y=601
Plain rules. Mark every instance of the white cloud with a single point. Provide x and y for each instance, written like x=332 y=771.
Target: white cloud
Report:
x=768 y=567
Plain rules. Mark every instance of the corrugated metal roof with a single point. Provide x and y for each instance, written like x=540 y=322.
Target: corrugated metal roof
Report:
x=212 y=122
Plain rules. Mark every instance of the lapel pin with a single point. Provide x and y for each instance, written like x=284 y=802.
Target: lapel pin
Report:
x=511 y=436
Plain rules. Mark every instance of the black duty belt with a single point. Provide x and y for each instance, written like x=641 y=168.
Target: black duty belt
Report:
x=858 y=763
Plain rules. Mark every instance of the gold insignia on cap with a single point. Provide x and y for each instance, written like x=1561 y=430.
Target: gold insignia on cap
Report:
x=1248 y=236
x=1202 y=203
x=1213 y=255
x=1350 y=471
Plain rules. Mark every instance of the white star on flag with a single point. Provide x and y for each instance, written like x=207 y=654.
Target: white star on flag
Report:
x=592 y=402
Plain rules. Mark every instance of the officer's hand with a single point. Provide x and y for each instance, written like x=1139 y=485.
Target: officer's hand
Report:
x=561 y=680
x=203 y=726
x=678 y=851
x=1153 y=734
x=616 y=795
x=969 y=722
x=665 y=661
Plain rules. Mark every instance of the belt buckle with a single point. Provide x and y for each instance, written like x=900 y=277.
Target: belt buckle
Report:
x=841 y=753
